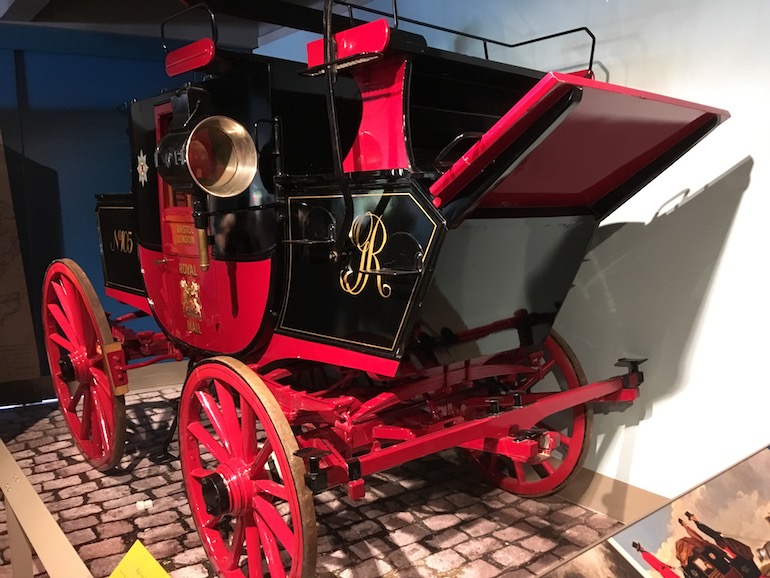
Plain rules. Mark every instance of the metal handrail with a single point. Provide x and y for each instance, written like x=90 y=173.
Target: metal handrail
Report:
x=485 y=41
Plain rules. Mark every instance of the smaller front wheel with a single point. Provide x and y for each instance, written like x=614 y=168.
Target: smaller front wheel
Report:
x=246 y=487
x=77 y=340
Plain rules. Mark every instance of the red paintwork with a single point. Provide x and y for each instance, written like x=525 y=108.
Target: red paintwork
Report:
x=219 y=310
x=190 y=57
x=233 y=297
x=380 y=142
x=135 y=301
x=286 y=347
x=264 y=513
x=435 y=409
x=369 y=38
x=610 y=135
x=460 y=426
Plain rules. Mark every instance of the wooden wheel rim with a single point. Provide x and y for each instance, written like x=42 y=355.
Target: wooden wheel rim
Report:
x=76 y=332
x=241 y=460
x=554 y=474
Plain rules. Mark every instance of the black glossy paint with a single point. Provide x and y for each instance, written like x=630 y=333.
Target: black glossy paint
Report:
x=377 y=319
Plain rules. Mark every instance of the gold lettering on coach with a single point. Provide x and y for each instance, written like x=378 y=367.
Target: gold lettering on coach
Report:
x=183 y=234
x=122 y=241
x=188 y=269
x=369 y=235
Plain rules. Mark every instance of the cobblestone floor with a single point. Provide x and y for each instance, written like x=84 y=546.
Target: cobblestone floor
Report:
x=435 y=517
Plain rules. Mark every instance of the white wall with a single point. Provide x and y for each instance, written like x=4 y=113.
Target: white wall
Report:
x=679 y=279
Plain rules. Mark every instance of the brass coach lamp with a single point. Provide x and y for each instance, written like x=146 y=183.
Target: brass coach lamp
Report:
x=216 y=157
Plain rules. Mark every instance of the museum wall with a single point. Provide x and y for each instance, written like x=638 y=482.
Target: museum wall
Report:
x=64 y=124
x=675 y=274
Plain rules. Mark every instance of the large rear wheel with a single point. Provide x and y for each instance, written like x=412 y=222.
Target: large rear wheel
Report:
x=246 y=487
x=77 y=340
x=558 y=370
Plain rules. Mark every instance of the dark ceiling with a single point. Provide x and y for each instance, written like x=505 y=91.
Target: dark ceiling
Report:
x=241 y=23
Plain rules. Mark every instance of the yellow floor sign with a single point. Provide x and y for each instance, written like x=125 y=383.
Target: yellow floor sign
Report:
x=139 y=563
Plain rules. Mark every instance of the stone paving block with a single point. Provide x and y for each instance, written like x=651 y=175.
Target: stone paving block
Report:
x=581 y=535
x=441 y=522
x=421 y=571
x=372 y=568
x=542 y=564
x=478 y=569
x=112 y=529
x=444 y=561
x=102 y=567
x=513 y=533
x=359 y=531
x=479 y=527
x=396 y=520
x=73 y=469
x=159 y=533
x=477 y=547
x=408 y=534
x=197 y=571
x=165 y=549
x=512 y=556
x=447 y=539
x=370 y=548
x=538 y=543
x=190 y=556
x=130 y=499
x=79 y=512
x=409 y=555
x=78 y=490
x=103 y=548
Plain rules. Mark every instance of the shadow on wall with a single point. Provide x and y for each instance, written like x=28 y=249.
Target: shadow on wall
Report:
x=35 y=193
x=641 y=290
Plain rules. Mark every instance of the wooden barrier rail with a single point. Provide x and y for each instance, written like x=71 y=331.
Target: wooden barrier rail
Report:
x=32 y=528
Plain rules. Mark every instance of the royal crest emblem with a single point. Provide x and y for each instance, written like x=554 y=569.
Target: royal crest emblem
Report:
x=191 y=304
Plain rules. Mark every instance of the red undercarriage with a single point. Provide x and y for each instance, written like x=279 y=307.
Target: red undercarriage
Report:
x=350 y=424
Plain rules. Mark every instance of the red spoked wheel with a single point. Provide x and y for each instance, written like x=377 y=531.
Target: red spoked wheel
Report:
x=560 y=371
x=246 y=487
x=77 y=340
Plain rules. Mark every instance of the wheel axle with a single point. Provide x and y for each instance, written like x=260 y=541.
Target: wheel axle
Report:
x=66 y=368
x=215 y=495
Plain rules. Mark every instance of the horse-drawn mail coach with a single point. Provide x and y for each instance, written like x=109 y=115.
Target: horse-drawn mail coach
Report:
x=361 y=260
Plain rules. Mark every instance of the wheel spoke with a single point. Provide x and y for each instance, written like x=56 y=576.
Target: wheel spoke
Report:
x=66 y=297
x=259 y=462
x=268 y=514
x=64 y=324
x=253 y=551
x=200 y=473
x=270 y=548
x=270 y=487
x=102 y=395
x=208 y=441
x=61 y=342
x=230 y=415
x=215 y=417
x=236 y=547
x=211 y=522
x=518 y=469
x=73 y=404
x=102 y=426
x=544 y=469
x=85 y=419
x=249 y=430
